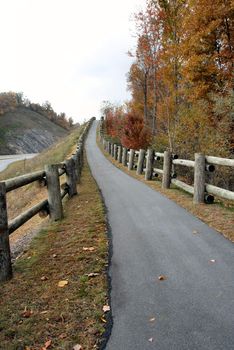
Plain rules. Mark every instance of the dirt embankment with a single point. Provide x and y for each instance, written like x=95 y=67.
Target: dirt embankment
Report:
x=25 y=131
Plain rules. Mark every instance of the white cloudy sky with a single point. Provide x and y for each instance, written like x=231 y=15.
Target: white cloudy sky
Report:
x=70 y=52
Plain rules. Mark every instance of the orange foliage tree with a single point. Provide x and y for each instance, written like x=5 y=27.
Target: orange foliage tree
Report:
x=187 y=47
x=135 y=134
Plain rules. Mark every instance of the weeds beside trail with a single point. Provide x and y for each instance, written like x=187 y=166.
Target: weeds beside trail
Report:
x=25 y=197
x=219 y=215
x=35 y=313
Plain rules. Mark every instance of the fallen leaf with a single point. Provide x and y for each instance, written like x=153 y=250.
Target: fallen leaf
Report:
x=27 y=313
x=62 y=284
x=93 y=274
x=150 y=340
x=43 y=312
x=90 y=249
x=62 y=336
x=106 y=308
x=152 y=319
x=103 y=319
x=47 y=345
x=44 y=278
x=77 y=347
x=162 y=278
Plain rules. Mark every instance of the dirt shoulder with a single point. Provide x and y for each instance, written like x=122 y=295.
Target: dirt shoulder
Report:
x=56 y=298
x=219 y=215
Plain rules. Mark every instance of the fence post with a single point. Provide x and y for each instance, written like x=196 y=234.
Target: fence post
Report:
x=140 y=163
x=109 y=147
x=54 y=195
x=79 y=164
x=131 y=159
x=199 y=178
x=149 y=164
x=76 y=164
x=71 y=177
x=80 y=149
x=5 y=254
x=167 y=163
x=120 y=150
x=115 y=151
x=101 y=128
x=124 y=156
x=112 y=149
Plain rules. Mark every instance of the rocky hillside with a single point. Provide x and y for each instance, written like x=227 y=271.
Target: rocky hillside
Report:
x=25 y=131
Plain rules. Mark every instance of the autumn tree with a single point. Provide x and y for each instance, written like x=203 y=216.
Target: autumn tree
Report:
x=149 y=27
x=135 y=134
x=182 y=75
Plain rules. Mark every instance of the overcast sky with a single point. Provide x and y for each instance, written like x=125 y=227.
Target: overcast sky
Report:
x=69 y=52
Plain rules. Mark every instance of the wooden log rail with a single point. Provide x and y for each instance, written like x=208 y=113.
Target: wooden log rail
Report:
x=144 y=161
x=52 y=206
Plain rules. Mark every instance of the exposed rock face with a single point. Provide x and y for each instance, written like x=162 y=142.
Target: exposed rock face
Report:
x=24 y=131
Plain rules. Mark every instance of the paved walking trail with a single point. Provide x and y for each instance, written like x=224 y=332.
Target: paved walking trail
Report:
x=5 y=160
x=194 y=307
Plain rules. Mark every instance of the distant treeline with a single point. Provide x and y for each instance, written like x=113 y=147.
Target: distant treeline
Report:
x=10 y=101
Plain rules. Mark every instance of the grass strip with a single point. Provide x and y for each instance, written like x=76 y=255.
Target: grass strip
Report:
x=37 y=313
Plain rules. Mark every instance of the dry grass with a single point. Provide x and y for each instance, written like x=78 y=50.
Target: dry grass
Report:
x=25 y=197
x=72 y=314
x=219 y=215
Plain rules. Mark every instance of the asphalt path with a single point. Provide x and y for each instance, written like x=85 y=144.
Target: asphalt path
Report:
x=6 y=160
x=193 y=308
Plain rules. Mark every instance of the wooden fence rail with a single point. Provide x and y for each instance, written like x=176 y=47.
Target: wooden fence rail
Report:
x=145 y=161
x=52 y=206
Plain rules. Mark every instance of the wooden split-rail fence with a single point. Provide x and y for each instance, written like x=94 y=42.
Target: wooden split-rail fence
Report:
x=52 y=206
x=147 y=162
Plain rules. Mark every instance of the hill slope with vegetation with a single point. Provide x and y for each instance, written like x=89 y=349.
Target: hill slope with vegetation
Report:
x=28 y=127
x=26 y=131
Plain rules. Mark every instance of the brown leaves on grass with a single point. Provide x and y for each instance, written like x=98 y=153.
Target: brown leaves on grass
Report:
x=106 y=308
x=63 y=259
x=77 y=347
x=62 y=284
x=103 y=320
x=93 y=274
x=63 y=336
x=27 y=313
x=90 y=249
x=44 y=278
x=47 y=345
